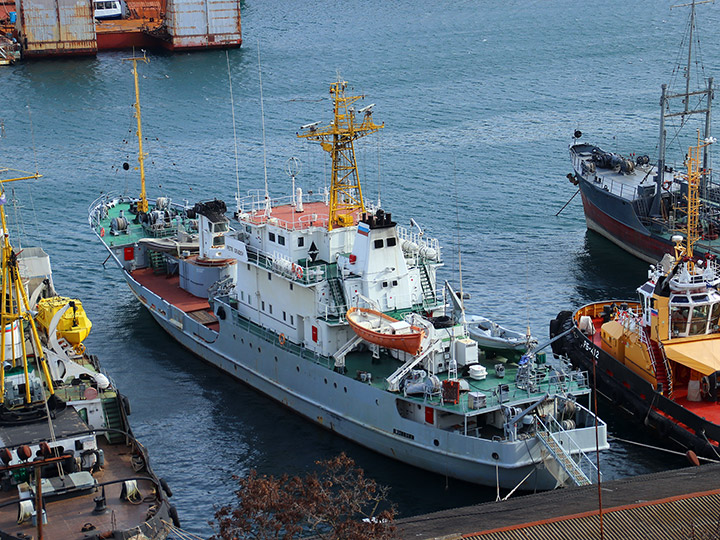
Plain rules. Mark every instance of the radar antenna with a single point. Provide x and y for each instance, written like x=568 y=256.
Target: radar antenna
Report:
x=338 y=138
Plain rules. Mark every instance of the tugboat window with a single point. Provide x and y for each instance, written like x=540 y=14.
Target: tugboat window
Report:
x=391 y=241
x=272 y=236
x=378 y=243
x=281 y=240
x=678 y=320
x=715 y=317
x=301 y=241
x=218 y=241
x=698 y=324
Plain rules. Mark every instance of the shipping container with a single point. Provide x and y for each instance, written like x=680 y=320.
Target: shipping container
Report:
x=197 y=24
x=52 y=27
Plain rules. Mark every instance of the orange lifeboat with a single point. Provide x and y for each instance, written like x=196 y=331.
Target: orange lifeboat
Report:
x=383 y=330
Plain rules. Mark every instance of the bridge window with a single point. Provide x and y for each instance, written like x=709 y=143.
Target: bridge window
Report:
x=281 y=240
x=698 y=324
x=678 y=320
x=715 y=317
x=301 y=241
x=218 y=241
x=271 y=236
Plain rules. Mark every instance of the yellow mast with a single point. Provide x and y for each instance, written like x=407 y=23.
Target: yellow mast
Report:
x=338 y=138
x=14 y=305
x=693 y=209
x=142 y=205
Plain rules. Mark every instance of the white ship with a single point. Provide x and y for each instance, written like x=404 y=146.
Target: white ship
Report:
x=264 y=296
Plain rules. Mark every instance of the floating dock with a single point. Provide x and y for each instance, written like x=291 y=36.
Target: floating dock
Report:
x=669 y=505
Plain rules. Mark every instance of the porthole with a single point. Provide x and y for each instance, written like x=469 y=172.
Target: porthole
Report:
x=335 y=384
x=276 y=359
x=377 y=402
x=345 y=388
x=259 y=350
x=495 y=455
x=436 y=442
x=325 y=381
x=297 y=368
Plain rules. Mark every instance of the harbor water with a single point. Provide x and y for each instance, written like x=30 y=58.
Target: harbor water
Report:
x=479 y=100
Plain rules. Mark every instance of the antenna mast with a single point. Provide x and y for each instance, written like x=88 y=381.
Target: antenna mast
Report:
x=337 y=138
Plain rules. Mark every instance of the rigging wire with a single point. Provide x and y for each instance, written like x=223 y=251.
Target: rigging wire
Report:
x=232 y=106
x=262 y=114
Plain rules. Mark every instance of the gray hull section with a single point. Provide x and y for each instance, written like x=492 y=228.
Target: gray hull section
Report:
x=353 y=409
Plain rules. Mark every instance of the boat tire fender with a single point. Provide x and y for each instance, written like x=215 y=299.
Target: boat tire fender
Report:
x=172 y=511
x=126 y=404
x=165 y=487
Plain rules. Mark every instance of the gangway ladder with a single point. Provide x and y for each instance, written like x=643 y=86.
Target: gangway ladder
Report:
x=158 y=262
x=429 y=297
x=573 y=468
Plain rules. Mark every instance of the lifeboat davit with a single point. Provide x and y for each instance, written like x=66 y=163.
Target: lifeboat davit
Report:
x=383 y=330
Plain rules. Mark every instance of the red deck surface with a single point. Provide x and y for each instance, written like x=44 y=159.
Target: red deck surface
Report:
x=168 y=288
x=315 y=214
x=709 y=410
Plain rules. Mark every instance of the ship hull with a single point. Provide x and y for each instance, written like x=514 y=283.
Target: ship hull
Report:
x=353 y=409
x=614 y=218
x=661 y=416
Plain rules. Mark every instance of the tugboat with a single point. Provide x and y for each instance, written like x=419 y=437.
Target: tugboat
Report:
x=70 y=467
x=659 y=357
x=638 y=203
x=330 y=307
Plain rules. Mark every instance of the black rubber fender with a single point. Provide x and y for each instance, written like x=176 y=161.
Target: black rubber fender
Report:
x=166 y=488
x=126 y=404
x=172 y=511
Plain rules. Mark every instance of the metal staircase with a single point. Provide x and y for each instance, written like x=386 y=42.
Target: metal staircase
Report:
x=659 y=362
x=158 y=262
x=338 y=296
x=112 y=408
x=574 y=467
x=429 y=297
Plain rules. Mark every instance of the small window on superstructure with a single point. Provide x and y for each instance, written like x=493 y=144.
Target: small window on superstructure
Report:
x=391 y=241
x=263 y=305
x=715 y=317
x=378 y=243
x=271 y=236
x=270 y=306
x=292 y=321
x=301 y=241
x=218 y=241
x=291 y=286
x=242 y=295
x=269 y=276
x=284 y=316
x=281 y=240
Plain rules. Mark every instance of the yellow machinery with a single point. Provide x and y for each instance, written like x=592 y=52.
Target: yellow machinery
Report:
x=74 y=324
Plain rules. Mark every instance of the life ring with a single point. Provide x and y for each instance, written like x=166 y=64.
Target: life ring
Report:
x=102 y=232
x=299 y=272
x=281 y=339
x=666 y=185
x=79 y=348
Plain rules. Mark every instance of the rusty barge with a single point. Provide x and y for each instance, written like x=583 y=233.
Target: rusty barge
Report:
x=46 y=28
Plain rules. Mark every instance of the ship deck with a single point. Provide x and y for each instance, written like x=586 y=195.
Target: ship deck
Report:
x=66 y=516
x=359 y=362
x=709 y=410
